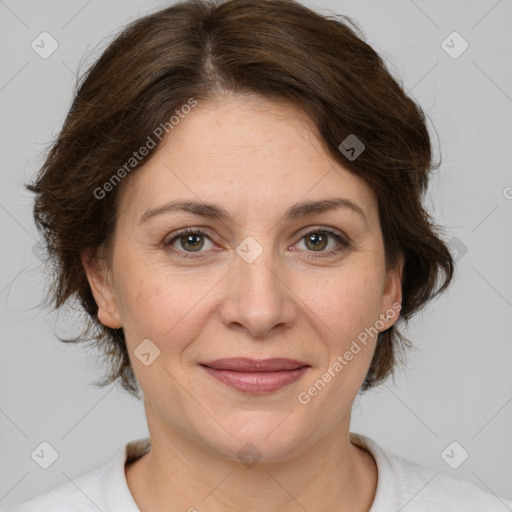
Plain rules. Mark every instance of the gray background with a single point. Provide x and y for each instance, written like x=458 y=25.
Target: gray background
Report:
x=457 y=385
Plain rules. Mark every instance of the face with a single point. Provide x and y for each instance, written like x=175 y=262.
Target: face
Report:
x=267 y=280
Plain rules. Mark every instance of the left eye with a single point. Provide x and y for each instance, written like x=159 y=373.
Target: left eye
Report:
x=316 y=241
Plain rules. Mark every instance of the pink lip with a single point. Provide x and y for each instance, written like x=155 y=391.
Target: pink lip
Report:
x=255 y=376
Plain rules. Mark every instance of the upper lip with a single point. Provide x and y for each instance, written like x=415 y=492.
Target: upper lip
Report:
x=244 y=364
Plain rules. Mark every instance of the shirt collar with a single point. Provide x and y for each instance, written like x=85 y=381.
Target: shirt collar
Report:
x=386 y=494
x=117 y=495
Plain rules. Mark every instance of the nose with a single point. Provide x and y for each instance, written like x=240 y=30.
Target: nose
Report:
x=257 y=297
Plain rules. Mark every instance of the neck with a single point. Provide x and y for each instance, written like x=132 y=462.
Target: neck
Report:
x=177 y=474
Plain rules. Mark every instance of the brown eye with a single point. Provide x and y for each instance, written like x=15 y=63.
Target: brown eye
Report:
x=316 y=241
x=188 y=241
x=193 y=242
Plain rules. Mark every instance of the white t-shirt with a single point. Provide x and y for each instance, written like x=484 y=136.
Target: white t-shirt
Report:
x=402 y=486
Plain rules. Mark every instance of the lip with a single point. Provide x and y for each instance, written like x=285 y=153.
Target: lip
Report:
x=245 y=364
x=255 y=376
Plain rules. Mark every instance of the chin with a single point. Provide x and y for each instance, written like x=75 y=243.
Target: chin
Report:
x=259 y=436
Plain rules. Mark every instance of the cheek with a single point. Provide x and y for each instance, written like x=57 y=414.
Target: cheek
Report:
x=159 y=306
x=344 y=315
x=347 y=303
x=171 y=308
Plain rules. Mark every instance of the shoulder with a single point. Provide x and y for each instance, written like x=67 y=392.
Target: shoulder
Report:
x=104 y=488
x=82 y=494
x=412 y=487
x=425 y=489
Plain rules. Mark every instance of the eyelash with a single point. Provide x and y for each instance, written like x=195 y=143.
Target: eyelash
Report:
x=343 y=242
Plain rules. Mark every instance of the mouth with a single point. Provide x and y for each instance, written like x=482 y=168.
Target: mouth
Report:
x=255 y=376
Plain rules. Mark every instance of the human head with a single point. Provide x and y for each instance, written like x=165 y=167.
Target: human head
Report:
x=196 y=51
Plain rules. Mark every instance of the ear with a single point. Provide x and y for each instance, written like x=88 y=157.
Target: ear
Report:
x=392 y=295
x=99 y=280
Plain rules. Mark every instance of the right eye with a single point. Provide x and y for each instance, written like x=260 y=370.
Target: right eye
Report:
x=191 y=241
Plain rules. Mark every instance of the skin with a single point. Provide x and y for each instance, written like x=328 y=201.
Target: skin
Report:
x=255 y=158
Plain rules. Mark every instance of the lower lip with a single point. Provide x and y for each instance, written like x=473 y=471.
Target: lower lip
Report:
x=257 y=382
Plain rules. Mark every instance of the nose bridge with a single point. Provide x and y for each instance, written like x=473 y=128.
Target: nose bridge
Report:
x=257 y=298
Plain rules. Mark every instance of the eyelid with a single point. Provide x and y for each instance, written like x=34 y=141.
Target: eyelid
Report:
x=175 y=235
x=303 y=232
x=343 y=240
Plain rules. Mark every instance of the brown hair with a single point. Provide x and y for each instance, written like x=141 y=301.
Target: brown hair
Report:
x=275 y=48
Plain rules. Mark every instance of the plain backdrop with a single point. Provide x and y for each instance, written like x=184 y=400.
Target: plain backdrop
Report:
x=457 y=384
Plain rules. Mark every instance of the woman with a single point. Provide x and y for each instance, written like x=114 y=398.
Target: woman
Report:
x=235 y=199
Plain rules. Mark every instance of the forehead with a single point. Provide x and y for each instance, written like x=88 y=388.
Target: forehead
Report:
x=247 y=153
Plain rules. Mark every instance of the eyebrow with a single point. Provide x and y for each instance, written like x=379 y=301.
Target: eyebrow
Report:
x=214 y=211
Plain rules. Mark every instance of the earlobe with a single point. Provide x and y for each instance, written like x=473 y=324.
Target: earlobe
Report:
x=99 y=281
